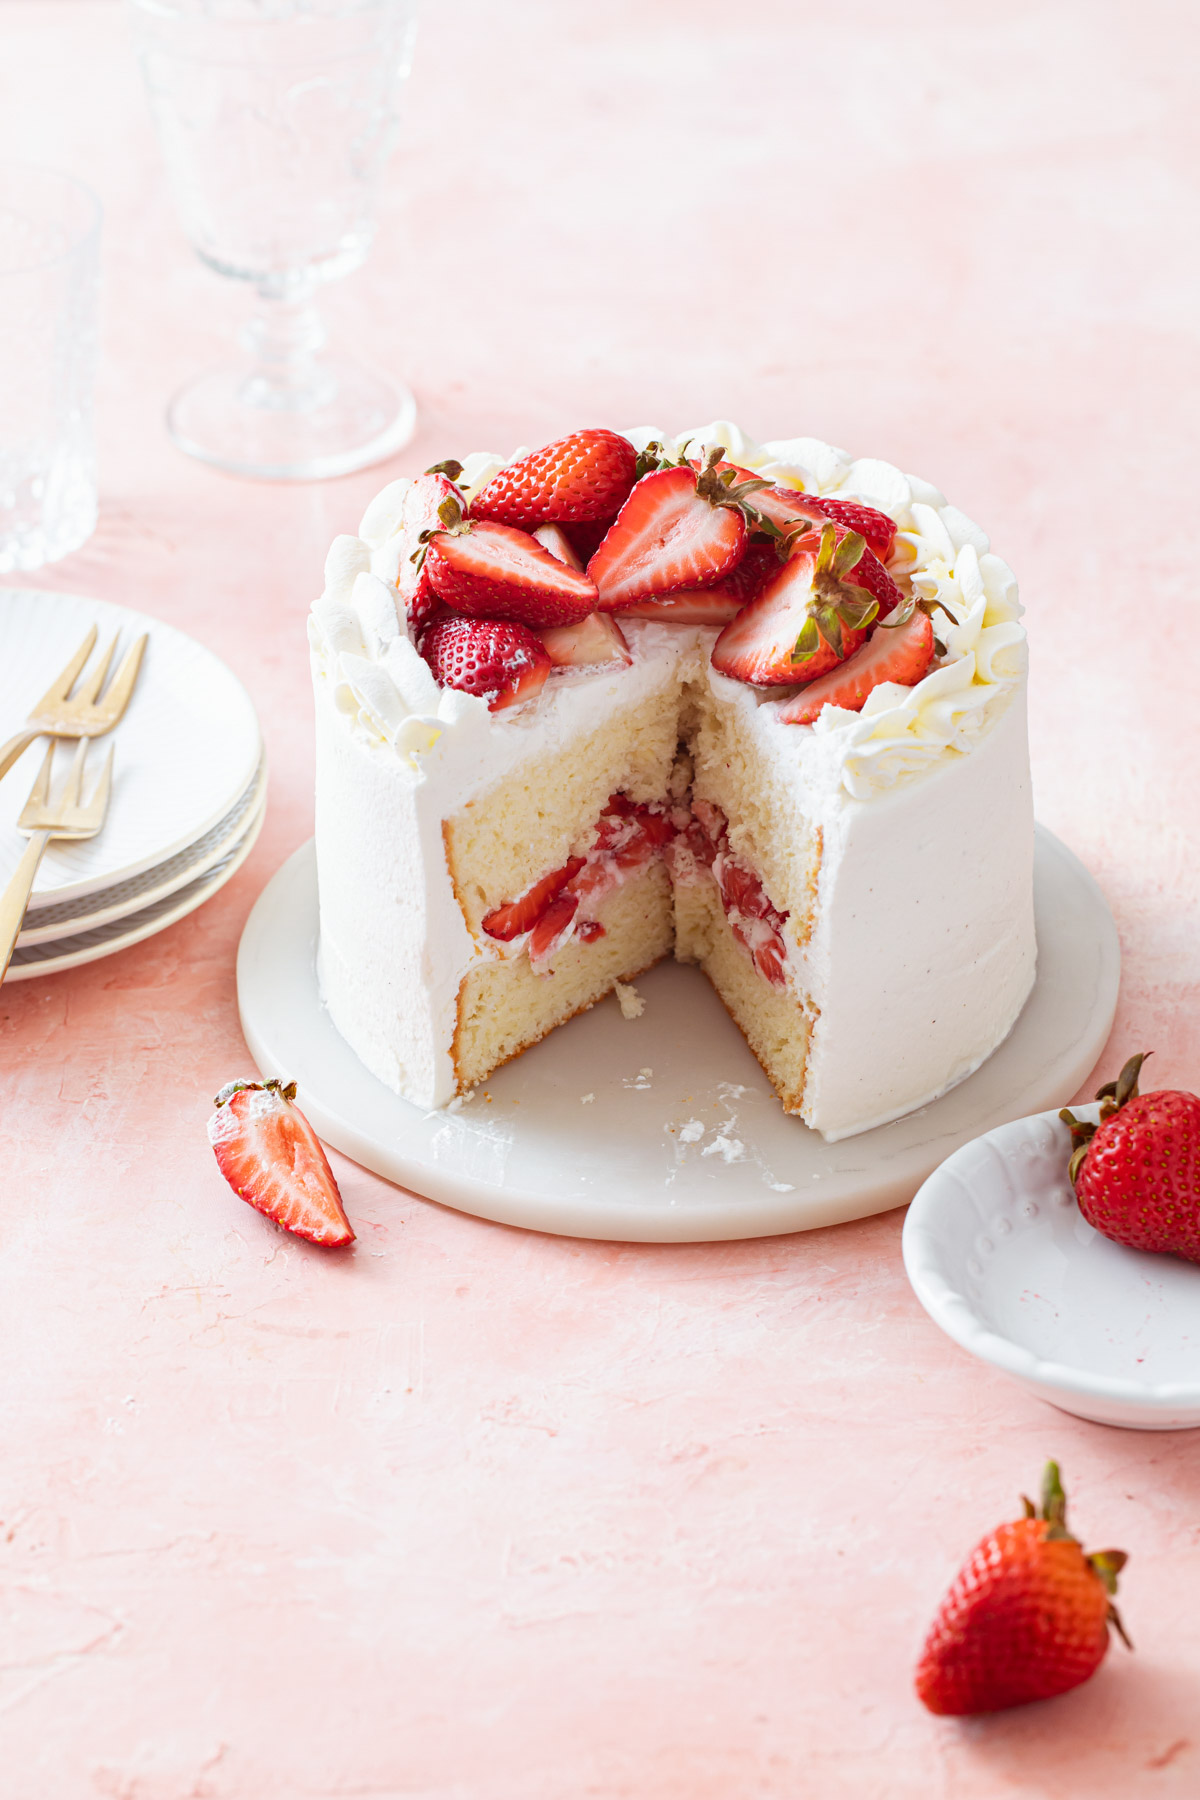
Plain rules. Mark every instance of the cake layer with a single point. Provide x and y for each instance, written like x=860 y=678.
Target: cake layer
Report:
x=504 y=1007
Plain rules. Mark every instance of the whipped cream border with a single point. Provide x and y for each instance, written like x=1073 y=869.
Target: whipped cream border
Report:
x=390 y=696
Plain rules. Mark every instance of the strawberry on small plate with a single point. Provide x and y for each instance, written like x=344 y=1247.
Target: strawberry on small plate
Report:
x=1003 y=1260
x=272 y=1158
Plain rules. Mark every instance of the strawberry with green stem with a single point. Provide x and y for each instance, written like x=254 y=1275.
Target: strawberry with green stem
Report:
x=1027 y=1617
x=681 y=528
x=490 y=571
x=1136 y=1174
x=808 y=618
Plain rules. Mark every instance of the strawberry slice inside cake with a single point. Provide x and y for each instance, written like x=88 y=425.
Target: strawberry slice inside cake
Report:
x=627 y=697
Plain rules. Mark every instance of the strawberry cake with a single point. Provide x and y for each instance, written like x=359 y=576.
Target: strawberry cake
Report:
x=760 y=707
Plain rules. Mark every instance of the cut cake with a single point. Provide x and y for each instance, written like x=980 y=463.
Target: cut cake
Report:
x=638 y=780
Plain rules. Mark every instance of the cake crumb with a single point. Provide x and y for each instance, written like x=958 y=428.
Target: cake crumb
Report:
x=630 y=1001
x=691 y=1131
x=586 y=1099
x=732 y=1149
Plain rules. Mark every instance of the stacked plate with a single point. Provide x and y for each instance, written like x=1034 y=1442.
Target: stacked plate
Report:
x=189 y=784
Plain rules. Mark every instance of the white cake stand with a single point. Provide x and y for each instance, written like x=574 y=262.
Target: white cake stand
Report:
x=663 y=1128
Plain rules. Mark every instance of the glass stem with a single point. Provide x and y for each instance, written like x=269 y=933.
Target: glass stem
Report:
x=285 y=338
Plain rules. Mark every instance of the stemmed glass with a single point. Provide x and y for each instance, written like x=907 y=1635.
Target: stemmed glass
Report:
x=276 y=118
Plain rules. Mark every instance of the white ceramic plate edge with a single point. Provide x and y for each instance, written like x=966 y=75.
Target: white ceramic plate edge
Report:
x=107 y=915
x=138 y=933
x=111 y=615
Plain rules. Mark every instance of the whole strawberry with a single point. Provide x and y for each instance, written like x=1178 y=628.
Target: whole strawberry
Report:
x=586 y=476
x=1027 y=1617
x=498 y=660
x=1137 y=1173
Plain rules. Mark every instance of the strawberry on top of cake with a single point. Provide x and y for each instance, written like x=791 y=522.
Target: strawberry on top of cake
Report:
x=632 y=695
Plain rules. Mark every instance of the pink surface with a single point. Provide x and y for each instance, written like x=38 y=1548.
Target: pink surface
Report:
x=477 y=1515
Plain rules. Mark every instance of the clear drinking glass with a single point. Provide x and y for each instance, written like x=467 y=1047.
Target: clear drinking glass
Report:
x=49 y=265
x=276 y=118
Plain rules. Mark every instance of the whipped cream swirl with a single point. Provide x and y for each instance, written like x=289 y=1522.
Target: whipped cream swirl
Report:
x=382 y=683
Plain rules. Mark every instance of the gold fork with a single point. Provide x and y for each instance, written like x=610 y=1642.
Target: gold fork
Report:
x=41 y=819
x=59 y=713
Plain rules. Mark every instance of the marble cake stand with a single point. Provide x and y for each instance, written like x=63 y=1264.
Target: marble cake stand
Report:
x=663 y=1128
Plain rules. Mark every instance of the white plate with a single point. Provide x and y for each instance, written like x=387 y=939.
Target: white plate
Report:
x=618 y=1166
x=69 y=917
x=1001 y=1258
x=106 y=940
x=186 y=749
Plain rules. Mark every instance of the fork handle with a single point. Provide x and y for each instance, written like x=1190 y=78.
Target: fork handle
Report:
x=15 y=898
x=16 y=746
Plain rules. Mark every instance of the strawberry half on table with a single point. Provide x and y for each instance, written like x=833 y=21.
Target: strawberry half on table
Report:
x=272 y=1158
x=1137 y=1173
x=1027 y=1617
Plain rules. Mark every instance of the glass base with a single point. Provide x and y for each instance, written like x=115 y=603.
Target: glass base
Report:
x=344 y=419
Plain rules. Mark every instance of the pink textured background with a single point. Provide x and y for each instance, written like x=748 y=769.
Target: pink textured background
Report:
x=476 y=1515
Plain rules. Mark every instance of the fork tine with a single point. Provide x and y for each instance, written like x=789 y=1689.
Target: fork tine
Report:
x=62 y=684
x=97 y=806
x=69 y=798
x=91 y=687
x=39 y=793
x=121 y=686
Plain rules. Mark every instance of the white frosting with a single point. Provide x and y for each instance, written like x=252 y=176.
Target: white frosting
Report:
x=923 y=949
x=940 y=553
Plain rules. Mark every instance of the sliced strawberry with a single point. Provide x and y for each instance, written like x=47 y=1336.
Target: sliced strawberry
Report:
x=420 y=513
x=596 y=640
x=586 y=539
x=676 y=530
x=581 y=477
x=272 y=1158
x=508 y=922
x=878 y=528
x=759 y=565
x=553 y=928
x=554 y=539
x=500 y=661
x=901 y=653
x=787 y=509
x=495 y=572
x=805 y=621
x=704 y=606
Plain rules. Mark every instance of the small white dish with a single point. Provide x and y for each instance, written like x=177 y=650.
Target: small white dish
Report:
x=186 y=750
x=1001 y=1258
